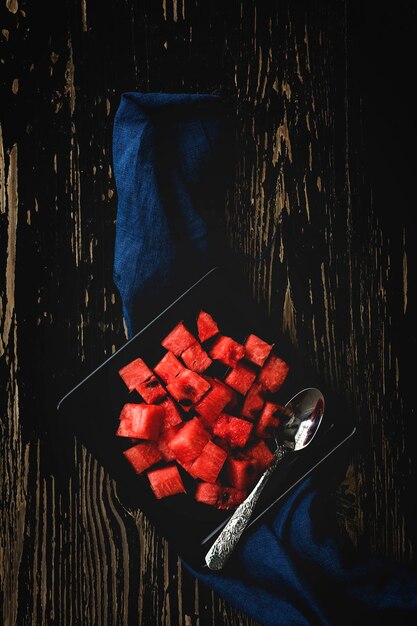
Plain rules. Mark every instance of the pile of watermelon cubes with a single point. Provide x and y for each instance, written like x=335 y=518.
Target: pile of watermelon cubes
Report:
x=214 y=430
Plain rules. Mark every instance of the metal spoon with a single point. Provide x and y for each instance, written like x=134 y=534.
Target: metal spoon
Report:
x=304 y=411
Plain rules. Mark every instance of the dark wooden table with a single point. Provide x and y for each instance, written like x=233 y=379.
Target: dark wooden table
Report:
x=325 y=174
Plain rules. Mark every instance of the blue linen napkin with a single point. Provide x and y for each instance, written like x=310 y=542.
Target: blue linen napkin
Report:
x=170 y=162
x=170 y=155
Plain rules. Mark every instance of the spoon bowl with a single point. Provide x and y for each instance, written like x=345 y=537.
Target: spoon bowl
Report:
x=304 y=415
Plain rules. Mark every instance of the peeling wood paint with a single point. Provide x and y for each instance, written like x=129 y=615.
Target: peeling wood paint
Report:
x=69 y=89
x=307 y=204
x=288 y=317
x=175 y=10
x=14 y=460
x=283 y=139
x=286 y=89
x=2 y=175
x=12 y=5
x=84 y=15
x=12 y=212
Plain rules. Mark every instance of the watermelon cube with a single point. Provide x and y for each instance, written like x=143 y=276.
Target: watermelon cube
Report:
x=228 y=351
x=171 y=414
x=164 y=439
x=269 y=420
x=151 y=390
x=135 y=373
x=209 y=463
x=140 y=421
x=222 y=443
x=273 y=373
x=242 y=473
x=142 y=456
x=195 y=358
x=234 y=430
x=214 y=402
x=228 y=392
x=188 y=388
x=233 y=402
x=166 y=481
x=261 y=453
x=206 y=326
x=240 y=378
x=187 y=466
x=168 y=367
x=225 y=498
x=189 y=441
x=254 y=402
x=257 y=350
x=178 y=340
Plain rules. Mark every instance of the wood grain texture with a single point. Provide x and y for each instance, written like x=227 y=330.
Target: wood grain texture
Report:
x=319 y=211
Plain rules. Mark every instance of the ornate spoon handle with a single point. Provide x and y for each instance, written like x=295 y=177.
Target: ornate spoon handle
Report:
x=226 y=542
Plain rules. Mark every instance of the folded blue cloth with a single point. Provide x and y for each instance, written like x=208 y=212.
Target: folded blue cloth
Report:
x=170 y=155
x=170 y=159
x=296 y=570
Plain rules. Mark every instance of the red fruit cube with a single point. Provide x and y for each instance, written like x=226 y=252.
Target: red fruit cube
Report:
x=195 y=358
x=151 y=390
x=189 y=441
x=166 y=481
x=178 y=340
x=226 y=498
x=209 y=463
x=206 y=326
x=163 y=442
x=254 y=402
x=135 y=373
x=128 y=417
x=214 y=402
x=268 y=420
x=222 y=443
x=273 y=373
x=261 y=453
x=171 y=414
x=234 y=430
x=240 y=378
x=228 y=351
x=140 y=421
x=242 y=473
x=188 y=388
x=228 y=392
x=168 y=367
x=187 y=466
x=142 y=456
x=257 y=350
x=233 y=402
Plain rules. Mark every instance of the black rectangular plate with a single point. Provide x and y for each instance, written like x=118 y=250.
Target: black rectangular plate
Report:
x=91 y=412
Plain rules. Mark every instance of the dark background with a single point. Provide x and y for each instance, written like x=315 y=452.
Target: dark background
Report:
x=324 y=101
